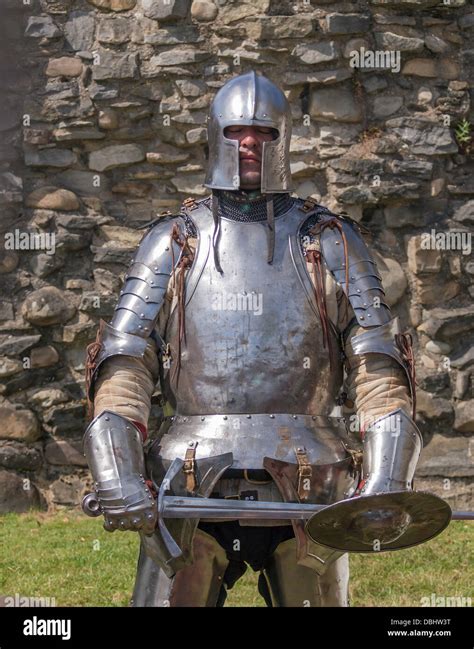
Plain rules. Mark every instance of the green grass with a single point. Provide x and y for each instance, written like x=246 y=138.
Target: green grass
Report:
x=71 y=558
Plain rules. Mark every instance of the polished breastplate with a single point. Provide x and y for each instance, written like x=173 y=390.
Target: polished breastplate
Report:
x=254 y=341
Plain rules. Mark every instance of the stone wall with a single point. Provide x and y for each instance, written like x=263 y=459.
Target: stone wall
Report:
x=103 y=127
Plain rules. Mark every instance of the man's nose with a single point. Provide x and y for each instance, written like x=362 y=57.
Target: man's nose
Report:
x=249 y=140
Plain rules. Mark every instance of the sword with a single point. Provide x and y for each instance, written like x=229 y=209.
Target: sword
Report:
x=178 y=507
x=218 y=508
x=192 y=507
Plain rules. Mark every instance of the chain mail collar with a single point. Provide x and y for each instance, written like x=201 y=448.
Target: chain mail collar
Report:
x=249 y=206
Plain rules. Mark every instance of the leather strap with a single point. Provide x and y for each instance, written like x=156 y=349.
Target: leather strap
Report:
x=308 y=205
x=271 y=228
x=404 y=343
x=314 y=256
x=305 y=472
x=186 y=261
x=92 y=351
x=189 y=467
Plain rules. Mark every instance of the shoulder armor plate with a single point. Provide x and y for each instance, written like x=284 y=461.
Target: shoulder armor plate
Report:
x=142 y=294
x=147 y=280
x=364 y=291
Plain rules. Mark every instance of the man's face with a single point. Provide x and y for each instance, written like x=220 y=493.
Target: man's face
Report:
x=250 y=140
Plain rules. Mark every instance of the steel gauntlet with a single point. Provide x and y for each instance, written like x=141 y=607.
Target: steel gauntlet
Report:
x=114 y=451
x=392 y=446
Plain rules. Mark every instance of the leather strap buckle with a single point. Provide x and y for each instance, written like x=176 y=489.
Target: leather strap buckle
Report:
x=309 y=204
x=189 y=467
x=190 y=203
x=356 y=456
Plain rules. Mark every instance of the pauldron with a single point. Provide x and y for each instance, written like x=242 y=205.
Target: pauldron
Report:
x=141 y=298
x=346 y=255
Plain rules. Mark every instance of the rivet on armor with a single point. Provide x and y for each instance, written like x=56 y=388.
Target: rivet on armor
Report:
x=202 y=418
x=361 y=317
x=337 y=243
x=190 y=444
x=368 y=315
x=272 y=416
x=107 y=419
x=358 y=290
x=151 y=283
x=313 y=418
x=225 y=417
x=249 y=416
x=295 y=416
x=142 y=315
x=146 y=297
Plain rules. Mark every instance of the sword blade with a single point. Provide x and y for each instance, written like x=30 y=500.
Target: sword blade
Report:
x=462 y=516
x=189 y=507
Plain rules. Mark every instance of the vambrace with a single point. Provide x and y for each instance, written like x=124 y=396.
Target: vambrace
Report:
x=114 y=452
x=392 y=446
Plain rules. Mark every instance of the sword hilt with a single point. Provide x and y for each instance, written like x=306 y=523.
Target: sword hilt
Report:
x=91 y=505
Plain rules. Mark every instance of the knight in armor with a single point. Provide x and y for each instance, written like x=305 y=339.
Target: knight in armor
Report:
x=262 y=315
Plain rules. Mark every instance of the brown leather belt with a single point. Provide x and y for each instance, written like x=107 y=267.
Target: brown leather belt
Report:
x=251 y=475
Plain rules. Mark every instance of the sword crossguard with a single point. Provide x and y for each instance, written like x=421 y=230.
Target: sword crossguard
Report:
x=173 y=548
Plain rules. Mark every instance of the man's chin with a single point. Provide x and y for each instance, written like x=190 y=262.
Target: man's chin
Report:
x=250 y=181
